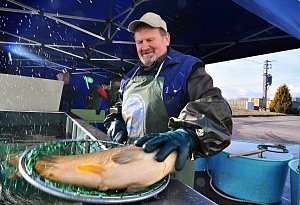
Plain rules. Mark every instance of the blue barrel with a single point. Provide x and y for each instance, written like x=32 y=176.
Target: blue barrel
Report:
x=201 y=164
x=250 y=178
x=294 y=180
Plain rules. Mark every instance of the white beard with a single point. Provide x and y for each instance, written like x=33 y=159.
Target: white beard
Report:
x=149 y=61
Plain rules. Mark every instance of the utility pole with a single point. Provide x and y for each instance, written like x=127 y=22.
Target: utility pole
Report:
x=267 y=81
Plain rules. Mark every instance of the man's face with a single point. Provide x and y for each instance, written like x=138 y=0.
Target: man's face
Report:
x=150 y=44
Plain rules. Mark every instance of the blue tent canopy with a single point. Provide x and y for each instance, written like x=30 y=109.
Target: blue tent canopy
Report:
x=43 y=38
x=282 y=14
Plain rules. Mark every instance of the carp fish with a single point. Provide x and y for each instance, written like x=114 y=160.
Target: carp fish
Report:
x=124 y=168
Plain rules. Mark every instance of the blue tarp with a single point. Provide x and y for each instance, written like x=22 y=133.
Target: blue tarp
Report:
x=284 y=14
x=46 y=37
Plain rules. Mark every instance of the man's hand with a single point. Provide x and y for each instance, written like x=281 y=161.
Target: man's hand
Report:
x=181 y=140
x=117 y=131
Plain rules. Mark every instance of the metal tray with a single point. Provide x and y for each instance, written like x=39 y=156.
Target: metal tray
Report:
x=81 y=146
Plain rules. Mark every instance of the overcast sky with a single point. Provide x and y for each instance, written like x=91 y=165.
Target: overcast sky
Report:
x=244 y=77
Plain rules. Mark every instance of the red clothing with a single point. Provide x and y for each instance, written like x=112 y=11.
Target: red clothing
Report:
x=102 y=92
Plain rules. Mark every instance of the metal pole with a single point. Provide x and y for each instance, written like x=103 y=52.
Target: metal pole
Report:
x=267 y=66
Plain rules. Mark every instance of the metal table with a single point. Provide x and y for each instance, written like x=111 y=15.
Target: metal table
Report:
x=178 y=193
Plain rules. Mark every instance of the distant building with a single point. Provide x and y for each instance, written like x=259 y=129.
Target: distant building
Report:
x=296 y=99
x=295 y=103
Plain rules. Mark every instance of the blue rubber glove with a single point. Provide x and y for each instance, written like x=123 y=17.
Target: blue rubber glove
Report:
x=117 y=131
x=181 y=140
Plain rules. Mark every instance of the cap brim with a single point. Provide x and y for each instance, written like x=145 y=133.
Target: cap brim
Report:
x=132 y=26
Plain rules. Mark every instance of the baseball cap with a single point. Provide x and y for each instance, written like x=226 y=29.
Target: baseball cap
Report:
x=150 y=18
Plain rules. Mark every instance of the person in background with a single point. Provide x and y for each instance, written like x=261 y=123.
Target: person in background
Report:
x=69 y=94
x=103 y=92
x=168 y=101
x=112 y=93
x=97 y=99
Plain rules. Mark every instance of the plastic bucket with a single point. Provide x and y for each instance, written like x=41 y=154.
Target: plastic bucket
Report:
x=294 y=180
x=201 y=164
x=250 y=178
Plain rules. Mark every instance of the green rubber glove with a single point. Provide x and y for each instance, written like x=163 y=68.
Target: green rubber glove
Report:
x=181 y=140
x=117 y=131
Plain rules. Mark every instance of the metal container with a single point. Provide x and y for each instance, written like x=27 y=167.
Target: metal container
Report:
x=258 y=178
x=22 y=129
x=294 y=180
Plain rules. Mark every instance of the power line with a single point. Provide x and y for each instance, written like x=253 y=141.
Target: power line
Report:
x=252 y=61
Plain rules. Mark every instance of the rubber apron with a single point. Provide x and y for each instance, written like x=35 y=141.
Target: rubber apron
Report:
x=144 y=112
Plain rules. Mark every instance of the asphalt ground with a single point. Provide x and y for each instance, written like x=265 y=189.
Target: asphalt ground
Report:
x=284 y=130
x=272 y=129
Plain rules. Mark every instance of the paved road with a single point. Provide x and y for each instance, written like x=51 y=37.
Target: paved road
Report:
x=279 y=129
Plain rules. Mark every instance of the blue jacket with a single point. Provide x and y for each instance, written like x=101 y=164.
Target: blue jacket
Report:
x=175 y=71
x=204 y=111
